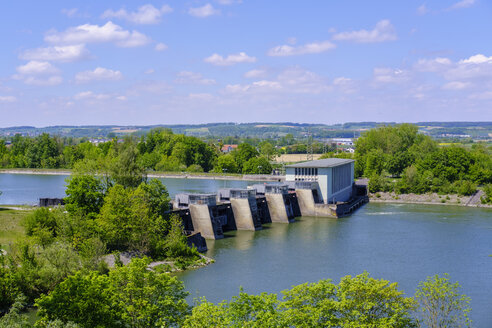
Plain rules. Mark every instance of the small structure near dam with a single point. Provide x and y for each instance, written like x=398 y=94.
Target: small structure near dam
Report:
x=323 y=188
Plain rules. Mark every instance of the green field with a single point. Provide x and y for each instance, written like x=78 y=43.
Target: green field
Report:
x=11 y=224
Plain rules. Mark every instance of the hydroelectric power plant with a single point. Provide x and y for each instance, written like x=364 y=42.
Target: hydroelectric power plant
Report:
x=322 y=188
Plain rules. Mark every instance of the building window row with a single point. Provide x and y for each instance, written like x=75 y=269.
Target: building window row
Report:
x=306 y=171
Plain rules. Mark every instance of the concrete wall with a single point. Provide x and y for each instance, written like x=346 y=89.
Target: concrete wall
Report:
x=276 y=207
x=243 y=214
x=202 y=222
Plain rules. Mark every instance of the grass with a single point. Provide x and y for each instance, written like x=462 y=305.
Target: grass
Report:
x=11 y=224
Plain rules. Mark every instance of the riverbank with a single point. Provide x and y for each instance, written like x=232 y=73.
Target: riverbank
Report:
x=174 y=175
x=426 y=199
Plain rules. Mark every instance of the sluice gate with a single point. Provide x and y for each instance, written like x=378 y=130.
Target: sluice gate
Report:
x=210 y=215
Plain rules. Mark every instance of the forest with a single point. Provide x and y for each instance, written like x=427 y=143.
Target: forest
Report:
x=399 y=159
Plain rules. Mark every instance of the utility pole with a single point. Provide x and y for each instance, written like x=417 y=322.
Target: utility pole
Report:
x=309 y=147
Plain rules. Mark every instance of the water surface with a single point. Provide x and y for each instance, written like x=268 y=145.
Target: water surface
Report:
x=398 y=242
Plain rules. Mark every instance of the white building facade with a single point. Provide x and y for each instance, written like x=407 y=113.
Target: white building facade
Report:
x=335 y=177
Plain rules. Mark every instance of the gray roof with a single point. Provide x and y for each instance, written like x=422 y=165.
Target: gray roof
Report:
x=327 y=162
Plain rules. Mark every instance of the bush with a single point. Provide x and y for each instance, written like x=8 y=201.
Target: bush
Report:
x=464 y=187
x=487 y=198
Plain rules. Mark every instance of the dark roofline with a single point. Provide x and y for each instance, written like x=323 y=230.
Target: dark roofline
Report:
x=321 y=163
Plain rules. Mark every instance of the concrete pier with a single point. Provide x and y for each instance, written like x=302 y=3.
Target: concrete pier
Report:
x=245 y=214
x=204 y=223
x=244 y=208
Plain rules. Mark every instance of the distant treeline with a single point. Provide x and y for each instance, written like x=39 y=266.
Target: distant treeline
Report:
x=398 y=158
x=159 y=150
x=252 y=130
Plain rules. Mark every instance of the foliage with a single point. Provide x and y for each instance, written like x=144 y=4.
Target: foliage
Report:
x=134 y=219
x=14 y=318
x=440 y=303
x=243 y=153
x=42 y=225
x=175 y=243
x=257 y=165
x=81 y=298
x=85 y=195
x=487 y=198
x=359 y=301
x=378 y=182
x=226 y=164
x=130 y=296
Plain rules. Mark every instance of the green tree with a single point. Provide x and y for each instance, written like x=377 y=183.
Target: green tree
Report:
x=126 y=169
x=243 y=153
x=145 y=298
x=81 y=298
x=130 y=296
x=85 y=194
x=226 y=164
x=440 y=304
x=257 y=165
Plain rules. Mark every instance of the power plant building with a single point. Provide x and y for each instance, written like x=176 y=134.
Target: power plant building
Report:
x=334 y=176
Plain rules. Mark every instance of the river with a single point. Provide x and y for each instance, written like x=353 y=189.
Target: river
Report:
x=404 y=243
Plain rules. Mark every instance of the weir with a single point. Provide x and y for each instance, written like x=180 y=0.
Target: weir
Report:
x=322 y=188
x=244 y=207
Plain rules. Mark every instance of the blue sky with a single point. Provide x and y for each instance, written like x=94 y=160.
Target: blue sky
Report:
x=153 y=62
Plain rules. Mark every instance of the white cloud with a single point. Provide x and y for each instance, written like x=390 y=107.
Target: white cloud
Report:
x=204 y=11
x=150 y=86
x=7 y=99
x=50 y=81
x=150 y=71
x=201 y=96
x=477 y=59
x=389 y=75
x=422 y=10
x=456 y=85
x=160 y=47
x=57 y=53
x=462 y=4
x=255 y=73
x=309 y=48
x=290 y=81
x=229 y=2
x=186 y=77
x=146 y=14
x=433 y=65
x=218 y=60
x=70 y=12
x=486 y=95
x=383 y=31
x=89 y=95
x=88 y=33
x=98 y=74
x=37 y=68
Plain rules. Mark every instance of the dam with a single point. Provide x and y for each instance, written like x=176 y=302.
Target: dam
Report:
x=322 y=189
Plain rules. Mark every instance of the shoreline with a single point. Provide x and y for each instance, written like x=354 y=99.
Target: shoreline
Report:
x=426 y=199
x=173 y=175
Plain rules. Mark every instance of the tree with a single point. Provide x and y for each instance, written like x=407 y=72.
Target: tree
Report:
x=226 y=164
x=42 y=225
x=242 y=311
x=145 y=298
x=130 y=296
x=267 y=149
x=367 y=302
x=257 y=165
x=126 y=170
x=440 y=303
x=81 y=298
x=85 y=194
x=243 y=153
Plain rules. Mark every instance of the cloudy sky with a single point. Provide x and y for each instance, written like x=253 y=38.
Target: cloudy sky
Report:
x=152 y=62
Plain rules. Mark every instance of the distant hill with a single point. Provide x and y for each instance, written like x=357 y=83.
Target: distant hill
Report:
x=476 y=130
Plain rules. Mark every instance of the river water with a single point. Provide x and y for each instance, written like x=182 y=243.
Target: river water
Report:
x=402 y=243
